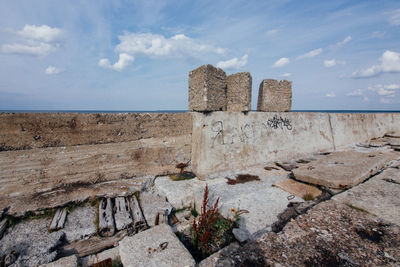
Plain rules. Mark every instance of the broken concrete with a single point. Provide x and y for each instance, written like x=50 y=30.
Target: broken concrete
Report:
x=207 y=89
x=238 y=92
x=90 y=260
x=217 y=259
x=106 y=218
x=343 y=169
x=274 y=96
x=31 y=242
x=299 y=189
x=58 y=219
x=71 y=261
x=378 y=196
x=122 y=214
x=155 y=208
x=80 y=223
x=330 y=234
x=156 y=247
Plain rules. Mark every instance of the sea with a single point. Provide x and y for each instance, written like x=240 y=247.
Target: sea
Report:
x=182 y=111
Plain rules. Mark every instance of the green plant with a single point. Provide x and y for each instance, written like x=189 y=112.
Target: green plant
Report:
x=204 y=228
x=194 y=213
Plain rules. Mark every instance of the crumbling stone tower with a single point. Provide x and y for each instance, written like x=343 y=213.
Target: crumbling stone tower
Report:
x=275 y=96
x=238 y=92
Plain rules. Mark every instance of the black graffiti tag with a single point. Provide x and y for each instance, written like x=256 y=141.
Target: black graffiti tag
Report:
x=280 y=122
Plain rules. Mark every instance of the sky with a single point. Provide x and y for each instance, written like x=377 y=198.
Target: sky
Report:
x=136 y=55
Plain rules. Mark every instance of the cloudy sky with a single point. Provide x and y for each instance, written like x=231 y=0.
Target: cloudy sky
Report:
x=136 y=55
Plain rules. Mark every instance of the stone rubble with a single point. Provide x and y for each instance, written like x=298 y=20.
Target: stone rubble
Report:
x=80 y=223
x=274 y=96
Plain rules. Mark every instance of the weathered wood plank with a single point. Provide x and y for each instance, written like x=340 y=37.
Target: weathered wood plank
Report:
x=59 y=219
x=106 y=218
x=122 y=213
x=139 y=222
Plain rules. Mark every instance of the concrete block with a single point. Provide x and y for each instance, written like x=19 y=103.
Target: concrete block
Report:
x=207 y=89
x=238 y=92
x=155 y=208
x=275 y=96
x=156 y=247
x=343 y=169
x=378 y=196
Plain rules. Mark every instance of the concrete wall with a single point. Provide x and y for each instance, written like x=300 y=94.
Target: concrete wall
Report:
x=234 y=140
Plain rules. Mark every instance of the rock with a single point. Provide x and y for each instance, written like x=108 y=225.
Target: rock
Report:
x=80 y=223
x=106 y=218
x=155 y=247
x=343 y=169
x=330 y=234
x=378 y=196
x=274 y=96
x=207 y=89
x=241 y=235
x=31 y=242
x=299 y=189
x=155 y=208
x=238 y=93
x=90 y=260
x=122 y=214
x=71 y=261
x=287 y=166
x=58 y=219
x=217 y=259
x=301 y=207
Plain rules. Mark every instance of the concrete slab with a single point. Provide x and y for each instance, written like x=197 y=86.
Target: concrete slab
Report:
x=156 y=247
x=71 y=261
x=298 y=189
x=378 y=196
x=80 y=223
x=262 y=201
x=90 y=260
x=343 y=169
x=155 y=208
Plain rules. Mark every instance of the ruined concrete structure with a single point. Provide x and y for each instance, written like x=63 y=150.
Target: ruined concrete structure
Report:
x=275 y=96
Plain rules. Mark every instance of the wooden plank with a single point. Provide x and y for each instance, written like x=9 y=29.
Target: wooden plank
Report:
x=139 y=222
x=58 y=219
x=122 y=213
x=106 y=218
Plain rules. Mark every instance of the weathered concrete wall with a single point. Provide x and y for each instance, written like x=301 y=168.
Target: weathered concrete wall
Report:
x=37 y=130
x=44 y=154
x=233 y=140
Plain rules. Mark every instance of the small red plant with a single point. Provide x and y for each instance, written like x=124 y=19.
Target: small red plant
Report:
x=204 y=227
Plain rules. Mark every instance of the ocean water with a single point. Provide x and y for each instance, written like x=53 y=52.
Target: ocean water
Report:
x=181 y=111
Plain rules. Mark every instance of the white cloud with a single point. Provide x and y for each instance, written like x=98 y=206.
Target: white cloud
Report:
x=281 y=62
x=51 y=70
x=233 y=63
x=124 y=61
x=37 y=49
x=395 y=17
x=333 y=62
x=390 y=63
x=330 y=63
x=365 y=99
x=157 y=45
x=331 y=94
x=311 y=54
x=272 y=32
x=286 y=74
x=385 y=90
x=342 y=43
x=42 y=33
x=355 y=93
x=36 y=41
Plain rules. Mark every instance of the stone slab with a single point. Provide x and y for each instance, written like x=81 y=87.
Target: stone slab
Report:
x=330 y=234
x=32 y=242
x=80 y=223
x=379 y=196
x=156 y=247
x=262 y=201
x=207 y=89
x=238 y=92
x=155 y=208
x=71 y=261
x=344 y=169
x=216 y=259
x=274 y=96
x=90 y=260
x=298 y=189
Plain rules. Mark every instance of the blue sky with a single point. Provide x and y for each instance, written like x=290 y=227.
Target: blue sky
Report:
x=136 y=55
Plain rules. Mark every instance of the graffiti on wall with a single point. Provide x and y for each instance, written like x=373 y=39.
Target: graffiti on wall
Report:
x=247 y=132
